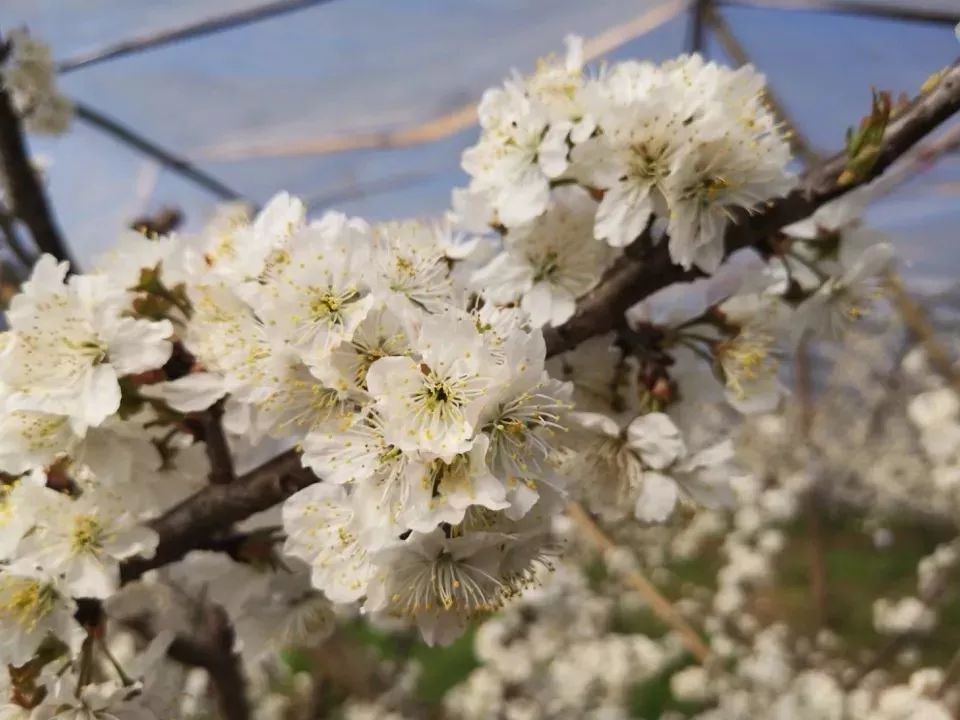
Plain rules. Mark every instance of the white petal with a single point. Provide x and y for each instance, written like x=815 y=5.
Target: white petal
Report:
x=655 y=437
x=596 y=422
x=622 y=215
x=524 y=199
x=552 y=154
x=139 y=345
x=658 y=497
x=191 y=393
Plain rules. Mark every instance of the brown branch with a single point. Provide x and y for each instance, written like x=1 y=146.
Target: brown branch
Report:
x=23 y=187
x=919 y=325
x=210 y=647
x=902 y=12
x=659 y=605
x=636 y=276
x=9 y=232
x=735 y=51
x=212 y=510
x=442 y=126
x=218 y=451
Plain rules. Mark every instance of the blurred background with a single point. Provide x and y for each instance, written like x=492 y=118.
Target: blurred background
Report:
x=366 y=105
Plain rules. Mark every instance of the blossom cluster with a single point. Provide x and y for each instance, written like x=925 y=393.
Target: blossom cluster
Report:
x=688 y=143
x=404 y=366
x=28 y=74
x=431 y=420
x=537 y=656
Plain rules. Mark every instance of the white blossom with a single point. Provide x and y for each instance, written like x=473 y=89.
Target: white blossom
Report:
x=71 y=342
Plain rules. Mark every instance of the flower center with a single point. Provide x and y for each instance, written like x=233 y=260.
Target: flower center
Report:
x=547 y=266
x=87 y=535
x=446 y=583
x=712 y=187
x=90 y=348
x=746 y=359
x=647 y=163
x=27 y=601
x=327 y=304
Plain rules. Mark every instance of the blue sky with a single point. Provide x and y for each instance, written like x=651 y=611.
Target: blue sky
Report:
x=361 y=65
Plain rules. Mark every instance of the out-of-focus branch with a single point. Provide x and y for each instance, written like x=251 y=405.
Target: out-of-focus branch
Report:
x=207 y=26
x=12 y=239
x=901 y=12
x=922 y=329
x=639 y=275
x=932 y=596
x=169 y=160
x=697 y=37
x=22 y=185
x=659 y=605
x=919 y=159
x=798 y=142
x=442 y=126
x=636 y=276
x=210 y=647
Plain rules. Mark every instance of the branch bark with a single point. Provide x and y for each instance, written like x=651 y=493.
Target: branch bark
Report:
x=23 y=187
x=218 y=451
x=636 y=276
x=658 y=604
x=210 y=648
x=199 y=518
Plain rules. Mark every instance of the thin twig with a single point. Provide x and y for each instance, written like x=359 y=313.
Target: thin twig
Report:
x=798 y=141
x=190 y=31
x=916 y=320
x=659 y=605
x=901 y=12
x=442 y=126
x=169 y=160
x=950 y=676
x=933 y=596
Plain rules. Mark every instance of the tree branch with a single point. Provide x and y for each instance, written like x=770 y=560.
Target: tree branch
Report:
x=218 y=451
x=23 y=187
x=637 y=275
x=210 y=511
x=210 y=648
x=12 y=239
x=658 y=604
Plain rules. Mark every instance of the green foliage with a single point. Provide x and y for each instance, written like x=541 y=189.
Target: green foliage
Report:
x=444 y=667
x=649 y=700
x=440 y=667
x=865 y=142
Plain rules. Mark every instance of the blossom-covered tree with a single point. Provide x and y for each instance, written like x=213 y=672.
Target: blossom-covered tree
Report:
x=435 y=395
